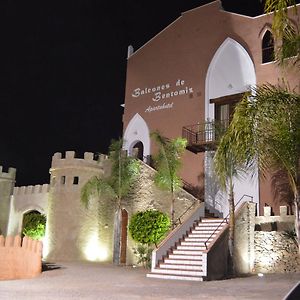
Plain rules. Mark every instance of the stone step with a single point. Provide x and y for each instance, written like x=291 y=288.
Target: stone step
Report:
x=191 y=257
x=183 y=261
x=180 y=267
x=191 y=247
x=193 y=243
x=207 y=228
x=174 y=277
x=200 y=237
x=178 y=272
x=211 y=220
x=196 y=239
x=189 y=252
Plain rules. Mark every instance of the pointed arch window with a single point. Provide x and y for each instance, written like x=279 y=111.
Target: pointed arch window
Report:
x=267 y=47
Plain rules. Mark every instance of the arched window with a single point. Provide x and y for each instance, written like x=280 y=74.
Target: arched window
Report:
x=267 y=47
x=289 y=43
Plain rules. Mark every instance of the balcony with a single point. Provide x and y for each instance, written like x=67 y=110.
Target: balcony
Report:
x=205 y=136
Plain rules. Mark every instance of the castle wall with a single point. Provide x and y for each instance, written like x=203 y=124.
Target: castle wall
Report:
x=7 y=181
x=72 y=231
x=23 y=200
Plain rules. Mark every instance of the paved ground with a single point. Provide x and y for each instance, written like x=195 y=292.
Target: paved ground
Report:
x=103 y=281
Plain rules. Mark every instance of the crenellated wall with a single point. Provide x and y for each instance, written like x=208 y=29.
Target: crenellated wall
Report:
x=23 y=200
x=7 y=182
x=19 y=259
x=274 y=247
x=71 y=229
x=263 y=244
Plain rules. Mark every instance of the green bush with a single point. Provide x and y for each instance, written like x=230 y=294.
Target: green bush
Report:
x=143 y=254
x=149 y=227
x=34 y=225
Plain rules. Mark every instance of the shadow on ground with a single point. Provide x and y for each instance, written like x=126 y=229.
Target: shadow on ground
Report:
x=48 y=266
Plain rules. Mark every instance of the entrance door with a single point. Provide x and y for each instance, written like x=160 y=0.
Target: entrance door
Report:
x=124 y=223
x=138 y=150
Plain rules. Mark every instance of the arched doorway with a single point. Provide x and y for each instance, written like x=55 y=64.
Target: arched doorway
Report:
x=137 y=131
x=231 y=73
x=138 y=150
x=33 y=224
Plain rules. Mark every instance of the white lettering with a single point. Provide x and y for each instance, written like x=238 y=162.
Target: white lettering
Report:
x=157 y=96
x=136 y=93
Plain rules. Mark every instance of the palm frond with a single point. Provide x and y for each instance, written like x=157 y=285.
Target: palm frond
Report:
x=167 y=161
x=96 y=186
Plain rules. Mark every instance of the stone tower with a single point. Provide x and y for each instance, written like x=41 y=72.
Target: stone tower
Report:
x=74 y=232
x=7 y=182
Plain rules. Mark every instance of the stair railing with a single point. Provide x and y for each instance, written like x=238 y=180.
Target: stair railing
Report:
x=178 y=220
x=225 y=219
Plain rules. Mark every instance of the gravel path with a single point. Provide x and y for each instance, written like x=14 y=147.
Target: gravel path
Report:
x=104 y=281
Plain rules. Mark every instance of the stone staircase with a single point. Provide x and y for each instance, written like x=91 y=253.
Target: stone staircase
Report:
x=187 y=260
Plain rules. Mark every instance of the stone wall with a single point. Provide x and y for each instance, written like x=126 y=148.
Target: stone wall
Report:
x=74 y=232
x=244 y=238
x=262 y=244
x=23 y=200
x=275 y=253
x=7 y=182
x=145 y=195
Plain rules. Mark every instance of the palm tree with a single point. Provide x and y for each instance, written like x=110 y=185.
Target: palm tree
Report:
x=226 y=168
x=124 y=170
x=265 y=132
x=167 y=163
x=285 y=31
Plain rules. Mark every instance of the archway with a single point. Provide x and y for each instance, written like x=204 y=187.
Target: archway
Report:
x=230 y=74
x=33 y=224
x=137 y=131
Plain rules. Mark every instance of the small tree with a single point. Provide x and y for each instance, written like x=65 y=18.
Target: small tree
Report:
x=167 y=163
x=149 y=227
x=34 y=225
x=124 y=170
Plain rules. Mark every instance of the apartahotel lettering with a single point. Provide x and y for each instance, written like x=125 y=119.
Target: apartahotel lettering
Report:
x=163 y=93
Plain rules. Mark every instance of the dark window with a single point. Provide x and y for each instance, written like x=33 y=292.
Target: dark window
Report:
x=76 y=180
x=63 y=180
x=289 y=44
x=267 y=47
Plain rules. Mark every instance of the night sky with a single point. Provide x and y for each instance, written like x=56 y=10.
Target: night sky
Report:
x=63 y=69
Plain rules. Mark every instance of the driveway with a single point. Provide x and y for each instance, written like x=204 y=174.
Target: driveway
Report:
x=105 y=281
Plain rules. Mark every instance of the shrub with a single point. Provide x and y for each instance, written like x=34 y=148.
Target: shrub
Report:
x=143 y=254
x=34 y=225
x=149 y=227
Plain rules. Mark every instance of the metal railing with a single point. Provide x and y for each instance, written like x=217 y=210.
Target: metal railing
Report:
x=204 y=132
x=178 y=220
x=225 y=219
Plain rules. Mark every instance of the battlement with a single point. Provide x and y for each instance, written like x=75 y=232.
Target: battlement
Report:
x=267 y=218
x=89 y=160
x=31 y=189
x=20 y=259
x=10 y=175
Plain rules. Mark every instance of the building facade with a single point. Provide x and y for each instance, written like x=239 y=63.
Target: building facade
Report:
x=185 y=82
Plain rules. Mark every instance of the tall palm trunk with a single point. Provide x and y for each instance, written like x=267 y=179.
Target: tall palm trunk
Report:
x=297 y=217
x=172 y=208
x=231 y=228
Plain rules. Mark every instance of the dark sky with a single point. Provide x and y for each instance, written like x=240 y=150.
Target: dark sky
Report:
x=63 y=68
